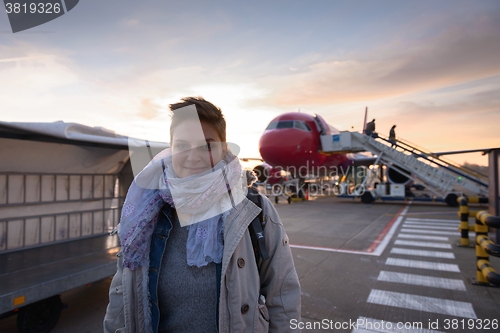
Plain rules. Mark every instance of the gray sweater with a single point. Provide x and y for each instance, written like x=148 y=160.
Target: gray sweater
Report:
x=187 y=294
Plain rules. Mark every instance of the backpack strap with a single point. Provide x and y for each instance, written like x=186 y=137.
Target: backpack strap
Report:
x=256 y=228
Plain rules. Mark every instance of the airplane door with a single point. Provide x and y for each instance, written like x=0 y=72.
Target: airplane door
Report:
x=321 y=125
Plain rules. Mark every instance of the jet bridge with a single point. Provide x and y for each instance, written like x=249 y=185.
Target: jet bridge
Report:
x=444 y=179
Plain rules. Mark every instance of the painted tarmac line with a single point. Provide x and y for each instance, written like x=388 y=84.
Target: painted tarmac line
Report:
x=431 y=213
x=423 y=253
x=438 y=238
x=422 y=303
x=447 y=225
x=423 y=244
x=329 y=249
x=436 y=266
x=376 y=248
x=417 y=219
x=433 y=223
x=431 y=232
x=432 y=220
x=419 y=226
x=421 y=280
x=370 y=325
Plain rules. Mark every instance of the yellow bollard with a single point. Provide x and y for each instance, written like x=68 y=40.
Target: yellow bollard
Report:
x=473 y=212
x=480 y=277
x=479 y=200
x=481 y=256
x=483 y=268
x=485 y=274
x=464 y=221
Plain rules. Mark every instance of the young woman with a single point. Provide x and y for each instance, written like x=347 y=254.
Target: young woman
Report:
x=187 y=262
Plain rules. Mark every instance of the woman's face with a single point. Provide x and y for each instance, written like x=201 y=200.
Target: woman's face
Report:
x=195 y=149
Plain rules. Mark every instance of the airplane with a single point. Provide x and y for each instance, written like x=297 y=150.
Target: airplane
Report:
x=291 y=143
x=291 y=148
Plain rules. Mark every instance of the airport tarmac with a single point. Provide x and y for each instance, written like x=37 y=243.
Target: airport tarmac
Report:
x=385 y=265
x=362 y=268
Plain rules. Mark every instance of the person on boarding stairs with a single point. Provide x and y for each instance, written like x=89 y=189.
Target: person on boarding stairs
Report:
x=370 y=129
x=392 y=136
x=187 y=262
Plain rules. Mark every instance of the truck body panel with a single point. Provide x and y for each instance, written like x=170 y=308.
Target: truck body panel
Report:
x=62 y=187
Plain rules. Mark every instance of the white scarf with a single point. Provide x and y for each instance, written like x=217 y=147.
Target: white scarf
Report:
x=200 y=197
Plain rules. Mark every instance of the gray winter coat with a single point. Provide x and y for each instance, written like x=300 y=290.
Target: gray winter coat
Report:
x=240 y=309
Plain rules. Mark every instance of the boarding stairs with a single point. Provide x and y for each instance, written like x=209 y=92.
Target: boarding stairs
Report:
x=440 y=176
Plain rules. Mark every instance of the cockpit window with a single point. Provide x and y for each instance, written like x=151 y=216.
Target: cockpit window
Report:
x=302 y=126
x=285 y=124
x=289 y=124
x=272 y=125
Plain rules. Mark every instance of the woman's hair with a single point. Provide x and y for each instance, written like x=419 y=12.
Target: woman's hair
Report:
x=207 y=112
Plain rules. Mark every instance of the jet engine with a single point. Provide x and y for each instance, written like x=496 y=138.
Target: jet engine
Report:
x=268 y=174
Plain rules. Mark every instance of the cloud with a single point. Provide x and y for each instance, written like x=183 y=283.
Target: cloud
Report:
x=148 y=109
x=438 y=122
x=475 y=104
x=14 y=60
x=449 y=59
x=32 y=77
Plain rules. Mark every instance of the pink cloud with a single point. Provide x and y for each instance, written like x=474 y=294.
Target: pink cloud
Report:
x=450 y=59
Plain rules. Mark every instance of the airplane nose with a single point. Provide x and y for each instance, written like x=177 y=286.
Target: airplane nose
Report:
x=286 y=147
x=271 y=144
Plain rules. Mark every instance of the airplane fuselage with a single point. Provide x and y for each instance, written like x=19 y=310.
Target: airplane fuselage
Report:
x=292 y=142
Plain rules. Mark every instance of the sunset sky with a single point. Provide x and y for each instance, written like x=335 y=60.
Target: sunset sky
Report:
x=430 y=67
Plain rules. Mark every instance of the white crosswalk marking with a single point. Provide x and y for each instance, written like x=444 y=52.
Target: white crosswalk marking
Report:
x=421 y=280
x=422 y=303
x=423 y=233
x=431 y=232
x=431 y=220
x=434 y=223
x=438 y=238
x=419 y=226
x=423 y=253
x=422 y=264
x=423 y=244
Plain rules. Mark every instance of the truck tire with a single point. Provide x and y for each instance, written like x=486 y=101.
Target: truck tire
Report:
x=367 y=197
x=39 y=317
x=451 y=200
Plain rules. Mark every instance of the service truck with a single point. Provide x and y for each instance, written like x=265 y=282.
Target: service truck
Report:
x=62 y=186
